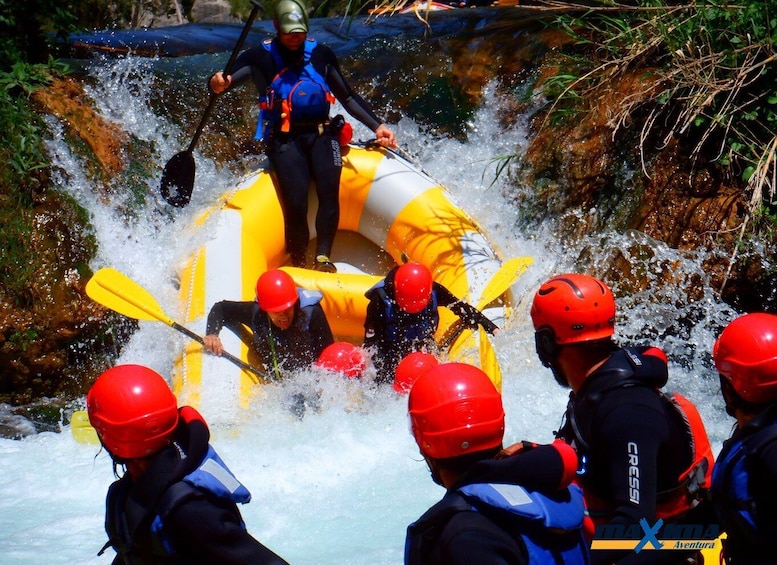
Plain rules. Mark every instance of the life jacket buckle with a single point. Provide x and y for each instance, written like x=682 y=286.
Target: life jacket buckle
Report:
x=285 y=116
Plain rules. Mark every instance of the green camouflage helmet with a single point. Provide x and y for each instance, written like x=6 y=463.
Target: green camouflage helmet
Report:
x=291 y=16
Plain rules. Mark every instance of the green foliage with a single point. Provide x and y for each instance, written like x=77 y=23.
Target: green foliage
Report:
x=716 y=76
x=23 y=338
x=23 y=161
x=16 y=265
x=32 y=27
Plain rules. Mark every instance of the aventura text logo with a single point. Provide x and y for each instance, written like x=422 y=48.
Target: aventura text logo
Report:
x=658 y=536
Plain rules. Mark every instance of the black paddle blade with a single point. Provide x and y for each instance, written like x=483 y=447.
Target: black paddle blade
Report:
x=178 y=179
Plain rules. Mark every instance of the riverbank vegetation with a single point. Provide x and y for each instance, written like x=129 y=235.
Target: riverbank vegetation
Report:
x=708 y=74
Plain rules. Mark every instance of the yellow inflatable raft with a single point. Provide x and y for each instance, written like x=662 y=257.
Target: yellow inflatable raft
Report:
x=390 y=212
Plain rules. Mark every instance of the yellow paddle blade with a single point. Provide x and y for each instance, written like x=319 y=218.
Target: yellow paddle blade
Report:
x=503 y=279
x=120 y=293
x=82 y=430
x=500 y=283
x=464 y=341
x=489 y=363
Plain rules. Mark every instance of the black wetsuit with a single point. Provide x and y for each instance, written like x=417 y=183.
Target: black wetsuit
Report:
x=452 y=532
x=388 y=333
x=623 y=427
x=306 y=152
x=196 y=525
x=294 y=348
x=744 y=493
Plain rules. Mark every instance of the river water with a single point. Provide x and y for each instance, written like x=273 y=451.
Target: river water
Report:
x=339 y=486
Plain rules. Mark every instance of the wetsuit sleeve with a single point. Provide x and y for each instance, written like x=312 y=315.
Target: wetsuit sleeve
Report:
x=255 y=64
x=376 y=341
x=764 y=477
x=207 y=531
x=320 y=332
x=229 y=314
x=324 y=59
x=470 y=315
x=545 y=468
x=374 y=323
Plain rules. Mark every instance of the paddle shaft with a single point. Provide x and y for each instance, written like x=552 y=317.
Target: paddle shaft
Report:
x=121 y=294
x=212 y=102
x=236 y=360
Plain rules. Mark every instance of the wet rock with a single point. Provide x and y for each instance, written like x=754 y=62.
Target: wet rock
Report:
x=14 y=426
x=66 y=100
x=591 y=175
x=212 y=11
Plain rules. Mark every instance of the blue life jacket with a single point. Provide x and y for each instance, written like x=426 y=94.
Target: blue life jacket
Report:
x=550 y=528
x=212 y=477
x=297 y=94
x=413 y=327
x=732 y=493
x=307 y=300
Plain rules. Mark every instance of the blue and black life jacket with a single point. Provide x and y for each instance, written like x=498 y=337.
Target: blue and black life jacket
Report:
x=280 y=345
x=407 y=328
x=211 y=478
x=550 y=528
x=298 y=95
x=732 y=493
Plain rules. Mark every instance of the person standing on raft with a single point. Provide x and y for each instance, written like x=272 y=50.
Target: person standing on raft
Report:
x=298 y=79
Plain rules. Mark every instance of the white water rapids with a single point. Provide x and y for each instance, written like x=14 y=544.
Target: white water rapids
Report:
x=340 y=486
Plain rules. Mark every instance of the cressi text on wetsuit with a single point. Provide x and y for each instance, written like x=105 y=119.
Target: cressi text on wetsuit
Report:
x=637 y=450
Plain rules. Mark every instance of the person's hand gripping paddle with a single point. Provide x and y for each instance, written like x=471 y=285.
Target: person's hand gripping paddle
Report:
x=178 y=174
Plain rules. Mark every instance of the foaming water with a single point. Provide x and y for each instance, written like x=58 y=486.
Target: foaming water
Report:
x=340 y=485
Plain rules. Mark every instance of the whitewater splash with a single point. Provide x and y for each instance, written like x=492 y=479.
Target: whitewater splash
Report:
x=341 y=485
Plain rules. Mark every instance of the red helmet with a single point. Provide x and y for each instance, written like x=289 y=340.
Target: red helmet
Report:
x=413 y=287
x=410 y=368
x=746 y=355
x=343 y=357
x=133 y=411
x=454 y=410
x=276 y=291
x=575 y=308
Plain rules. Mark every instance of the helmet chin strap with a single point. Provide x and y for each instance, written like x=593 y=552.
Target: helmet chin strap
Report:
x=434 y=472
x=559 y=375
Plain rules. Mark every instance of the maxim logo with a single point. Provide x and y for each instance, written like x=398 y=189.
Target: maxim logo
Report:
x=659 y=536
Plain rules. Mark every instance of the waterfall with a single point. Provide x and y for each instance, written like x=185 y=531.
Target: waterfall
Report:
x=339 y=486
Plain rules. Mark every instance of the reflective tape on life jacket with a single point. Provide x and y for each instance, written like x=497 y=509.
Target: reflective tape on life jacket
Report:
x=550 y=529
x=212 y=476
x=559 y=516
